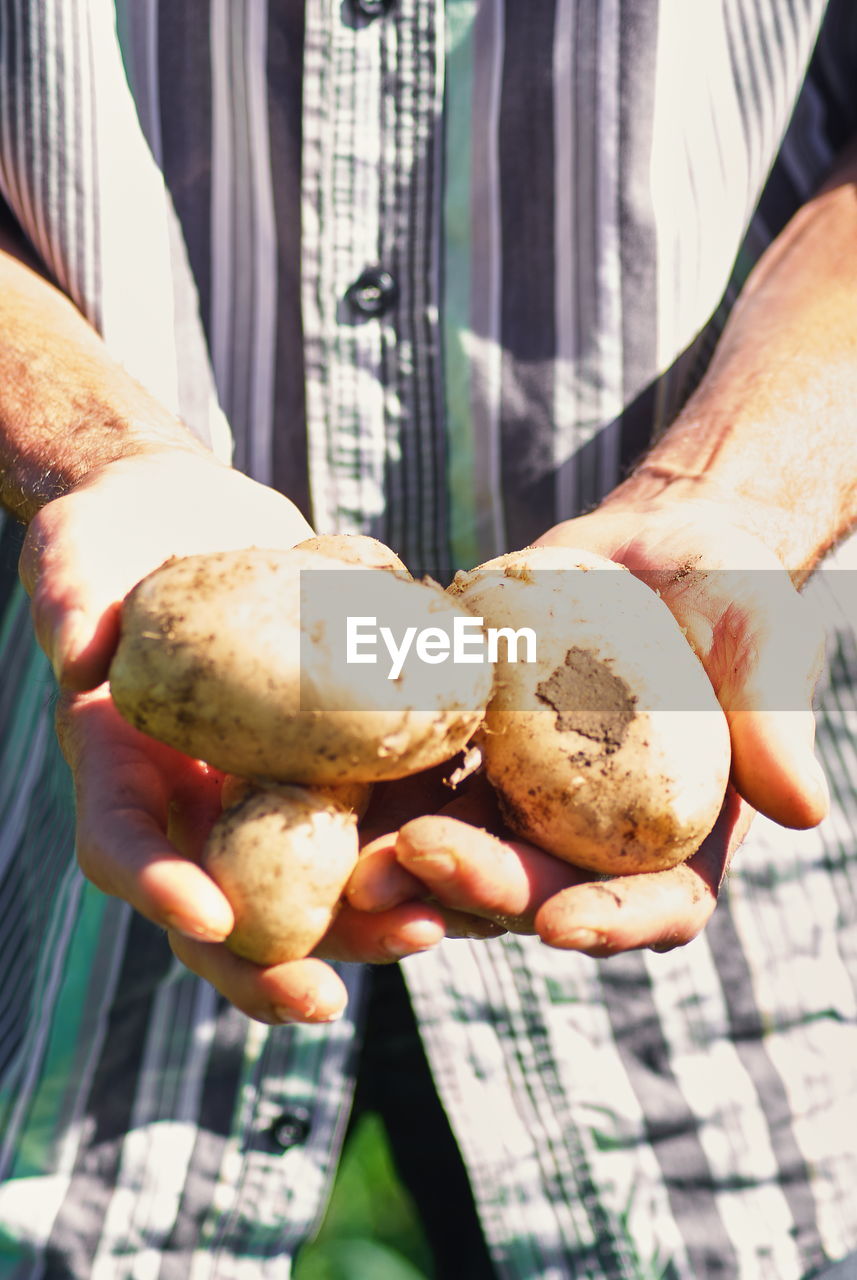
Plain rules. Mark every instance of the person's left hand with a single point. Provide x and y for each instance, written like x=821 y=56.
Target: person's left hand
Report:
x=464 y=859
x=762 y=652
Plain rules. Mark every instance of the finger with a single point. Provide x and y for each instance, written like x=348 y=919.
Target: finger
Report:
x=472 y=870
x=123 y=809
x=763 y=650
x=124 y=852
x=76 y=629
x=379 y=882
x=195 y=805
x=300 y=991
x=383 y=937
x=661 y=910
x=80 y=643
x=774 y=767
x=766 y=693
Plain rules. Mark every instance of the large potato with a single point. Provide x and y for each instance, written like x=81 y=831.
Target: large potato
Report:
x=239 y=659
x=611 y=751
x=282 y=858
x=355 y=548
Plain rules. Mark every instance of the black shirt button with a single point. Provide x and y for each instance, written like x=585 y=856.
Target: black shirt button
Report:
x=290 y=1129
x=372 y=8
x=373 y=292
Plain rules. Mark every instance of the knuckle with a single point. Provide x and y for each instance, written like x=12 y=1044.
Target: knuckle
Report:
x=92 y=867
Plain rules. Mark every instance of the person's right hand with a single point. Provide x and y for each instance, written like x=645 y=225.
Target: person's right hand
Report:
x=143 y=809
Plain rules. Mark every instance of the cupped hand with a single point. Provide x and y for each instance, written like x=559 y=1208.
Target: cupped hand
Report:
x=143 y=813
x=762 y=650
x=143 y=809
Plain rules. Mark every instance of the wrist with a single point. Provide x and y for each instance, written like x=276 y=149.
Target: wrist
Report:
x=60 y=461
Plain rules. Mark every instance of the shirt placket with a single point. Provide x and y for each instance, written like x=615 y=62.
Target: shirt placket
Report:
x=372 y=103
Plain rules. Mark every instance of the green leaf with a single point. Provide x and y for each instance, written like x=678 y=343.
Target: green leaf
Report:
x=371 y=1221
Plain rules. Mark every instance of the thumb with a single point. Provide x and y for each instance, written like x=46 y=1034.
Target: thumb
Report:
x=767 y=697
x=773 y=765
x=76 y=630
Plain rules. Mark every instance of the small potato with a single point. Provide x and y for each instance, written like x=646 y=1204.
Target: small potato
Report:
x=348 y=795
x=611 y=750
x=241 y=659
x=282 y=858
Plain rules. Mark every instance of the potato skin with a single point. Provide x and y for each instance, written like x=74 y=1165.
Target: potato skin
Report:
x=211 y=661
x=282 y=858
x=355 y=548
x=611 y=751
x=348 y=795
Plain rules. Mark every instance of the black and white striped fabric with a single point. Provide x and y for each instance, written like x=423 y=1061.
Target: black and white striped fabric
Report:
x=566 y=195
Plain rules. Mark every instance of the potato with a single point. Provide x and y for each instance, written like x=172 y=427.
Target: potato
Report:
x=282 y=858
x=226 y=658
x=348 y=795
x=611 y=750
x=355 y=548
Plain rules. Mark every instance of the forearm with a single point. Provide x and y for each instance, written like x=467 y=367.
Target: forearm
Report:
x=66 y=407
x=771 y=429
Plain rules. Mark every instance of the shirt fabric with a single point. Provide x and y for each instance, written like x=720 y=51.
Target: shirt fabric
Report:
x=567 y=196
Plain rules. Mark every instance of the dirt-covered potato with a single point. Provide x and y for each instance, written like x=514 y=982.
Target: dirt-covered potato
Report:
x=282 y=858
x=611 y=750
x=241 y=659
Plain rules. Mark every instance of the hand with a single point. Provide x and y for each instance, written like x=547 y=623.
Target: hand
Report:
x=762 y=651
x=143 y=809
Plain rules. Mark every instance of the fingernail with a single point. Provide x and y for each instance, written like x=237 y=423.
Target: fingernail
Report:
x=304 y=1014
x=398 y=950
x=477 y=933
x=582 y=940
x=307 y=1015
x=196 y=930
x=282 y=1014
x=332 y=1017
x=434 y=864
x=418 y=939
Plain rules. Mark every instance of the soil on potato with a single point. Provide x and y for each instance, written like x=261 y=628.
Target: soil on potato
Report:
x=589 y=699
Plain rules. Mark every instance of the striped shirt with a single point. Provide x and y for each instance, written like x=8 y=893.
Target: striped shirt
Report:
x=565 y=196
